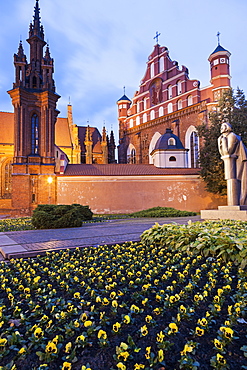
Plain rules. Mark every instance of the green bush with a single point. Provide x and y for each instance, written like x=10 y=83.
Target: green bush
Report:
x=162 y=212
x=50 y=216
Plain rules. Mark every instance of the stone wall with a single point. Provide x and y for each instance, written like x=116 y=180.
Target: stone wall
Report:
x=123 y=194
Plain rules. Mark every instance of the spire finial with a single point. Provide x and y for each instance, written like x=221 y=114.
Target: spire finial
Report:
x=124 y=90
x=157 y=37
x=218 y=35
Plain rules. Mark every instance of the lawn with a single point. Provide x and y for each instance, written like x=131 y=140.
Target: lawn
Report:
x=150 y=305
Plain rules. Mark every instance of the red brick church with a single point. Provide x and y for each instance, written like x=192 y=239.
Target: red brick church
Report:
x=48 y=159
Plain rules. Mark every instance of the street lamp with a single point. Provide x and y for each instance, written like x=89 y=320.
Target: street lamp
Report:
x=49 y=180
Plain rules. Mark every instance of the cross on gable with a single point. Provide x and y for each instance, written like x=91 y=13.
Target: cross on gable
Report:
x=218 y=35
x=157 y=36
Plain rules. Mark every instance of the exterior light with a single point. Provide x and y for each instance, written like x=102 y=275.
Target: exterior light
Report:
x=49 y=180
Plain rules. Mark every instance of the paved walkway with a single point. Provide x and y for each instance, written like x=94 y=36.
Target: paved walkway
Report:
x=29 y=243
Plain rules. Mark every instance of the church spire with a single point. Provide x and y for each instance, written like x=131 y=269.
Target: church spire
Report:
x=36 y=29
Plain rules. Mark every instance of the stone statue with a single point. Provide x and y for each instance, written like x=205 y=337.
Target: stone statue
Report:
x=234 y=154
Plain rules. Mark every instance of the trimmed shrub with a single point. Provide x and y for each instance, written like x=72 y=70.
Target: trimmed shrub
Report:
x=50 y=216
x=162 y=212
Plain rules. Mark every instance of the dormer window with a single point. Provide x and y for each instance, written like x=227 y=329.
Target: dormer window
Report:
x=171 y=141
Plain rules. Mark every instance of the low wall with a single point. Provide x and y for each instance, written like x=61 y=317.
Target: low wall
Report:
x=125 y=194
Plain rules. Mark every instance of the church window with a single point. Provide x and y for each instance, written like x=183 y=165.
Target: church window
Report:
x=124 y=106
x=180 y=104
x=179 y=87
x=138 y=121
x=152 y=70
x=152 y=114
x=162 y=64
x=170 y=108
x=169 y=91
x=7 y=178
x=161 y=111
x=190 y=100
x=172 y=159
x=131 y=122
x=152 y=145
x=145 y=103
x=131 y=154
x=35 y=134
x=194 y=156
x=144 y=118
x=171 y=141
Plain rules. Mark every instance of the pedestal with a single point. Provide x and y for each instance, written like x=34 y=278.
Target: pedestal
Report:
x=225 y=213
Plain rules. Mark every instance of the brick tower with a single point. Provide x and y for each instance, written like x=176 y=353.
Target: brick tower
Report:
x=34 y=99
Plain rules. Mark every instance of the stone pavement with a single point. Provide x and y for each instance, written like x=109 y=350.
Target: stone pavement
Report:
x=29 y=243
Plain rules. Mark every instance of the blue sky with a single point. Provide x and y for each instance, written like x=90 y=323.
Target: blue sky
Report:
x=100 y=46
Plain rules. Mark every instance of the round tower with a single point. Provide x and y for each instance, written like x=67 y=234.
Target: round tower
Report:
x=123 y=105
x=220 y=71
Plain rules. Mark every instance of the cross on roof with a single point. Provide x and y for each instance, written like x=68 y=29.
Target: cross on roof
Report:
x=157 y=36
x=218 y=35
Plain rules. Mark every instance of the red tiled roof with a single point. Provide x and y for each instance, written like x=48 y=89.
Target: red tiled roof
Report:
x=124 y=170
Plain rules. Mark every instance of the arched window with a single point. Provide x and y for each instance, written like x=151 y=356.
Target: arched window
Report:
x=152 y=144
x=138 y=106
x=35 y=134
x=171 y=141
x=179 y=87
x=180 y=104
x=152 y=70
x=161 y=64
x=172 y=159
x=131 y=154
x=170 y=108
x=194 y=149
x=169 y=91
x=152 y=114
x=190 y=100
x=138 y=120
x=145 y=103
x=131 y=122
x=144 y=119
x=161 y=111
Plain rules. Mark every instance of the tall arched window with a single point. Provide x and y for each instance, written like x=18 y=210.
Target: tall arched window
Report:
x=35 y=134
x=170 y=108
x=169 y=91
x=138 y=121
x=179 y=87
x=161 y=64
x=161 y=111
x=131 y=154
x=189 y=99
x=180 y=104
x=131 y=122
x=144 y=118
x=194 y=148
x=152 y=70
x=152 y=114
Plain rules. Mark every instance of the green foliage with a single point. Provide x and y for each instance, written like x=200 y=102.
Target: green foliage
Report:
x=162 y=212
x=225 y=239
x=50 y=216
x=231 y=108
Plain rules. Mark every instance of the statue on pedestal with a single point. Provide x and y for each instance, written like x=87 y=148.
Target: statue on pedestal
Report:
x=234 y=154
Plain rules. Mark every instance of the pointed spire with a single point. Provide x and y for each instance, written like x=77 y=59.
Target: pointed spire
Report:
x=36 y=29
x=88 y=134
x=47 y=53
x=104 y=135
x=20 y=50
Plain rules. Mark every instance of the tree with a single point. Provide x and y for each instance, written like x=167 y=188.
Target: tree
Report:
x=232 y=108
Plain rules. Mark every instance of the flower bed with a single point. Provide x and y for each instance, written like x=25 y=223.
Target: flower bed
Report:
x=128 y=307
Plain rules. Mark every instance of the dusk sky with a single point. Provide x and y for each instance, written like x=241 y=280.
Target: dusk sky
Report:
x=100 y=46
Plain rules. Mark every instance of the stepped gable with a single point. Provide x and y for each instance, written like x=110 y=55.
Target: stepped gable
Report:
x=125 y=170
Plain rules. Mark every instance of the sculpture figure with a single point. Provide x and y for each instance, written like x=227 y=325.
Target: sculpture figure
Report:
x=234 y=154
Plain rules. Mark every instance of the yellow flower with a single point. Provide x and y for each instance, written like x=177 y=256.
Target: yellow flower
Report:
x=80 y=338
x=144 y=330
x=68 y=347
x=160 y=337
x=187 y=348
x=88 y=323
x=105 y=301
x=182 y=309
x=102 y=334
x=116 y=327
x=173 y=328
x=38 y=333
x=160 y=355
x=228 y=332
x=66 y=366
x=202 y=322
x=22 y=350
x=134 y=308
x=76 y=324
x=127 y=319
x=144 y=301
x=77 y=295
x=114 y=303
x=148 y=351
x=121 y=366
x=55 y=340
x=83 y=317
x=218 y=344
x=51 y=348
x=139 y=366
x=3 y=342
x=199 y=331
x=148 y=318
x=124 y=355
x=220 y=359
